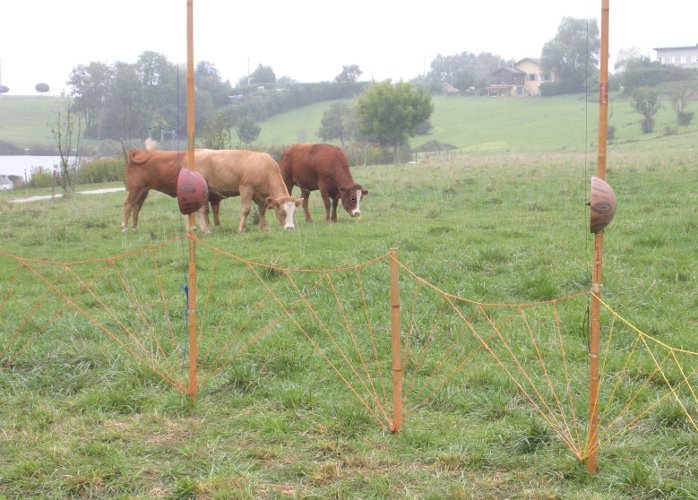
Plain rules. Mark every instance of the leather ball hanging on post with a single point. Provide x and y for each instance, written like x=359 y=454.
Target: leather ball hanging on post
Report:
x=602 y=204
x=192 y=191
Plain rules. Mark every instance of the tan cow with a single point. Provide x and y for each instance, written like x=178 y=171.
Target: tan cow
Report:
x=248 y=174
x=253 y=176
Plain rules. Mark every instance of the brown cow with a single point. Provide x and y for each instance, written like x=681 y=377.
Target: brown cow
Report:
x=252 y=176
x=323 y=167
x=153 y=169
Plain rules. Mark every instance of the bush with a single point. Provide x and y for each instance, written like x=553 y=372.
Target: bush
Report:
x=684 y=117
x=611 y=133
x=101 y=170
x=651 y=76
x=647 y=125
x=41 y=177
x=364 y=154
x=435 y=146
x=549 y=89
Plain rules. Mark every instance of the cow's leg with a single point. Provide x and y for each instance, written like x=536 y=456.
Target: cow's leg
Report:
x=335 y=203
x=245 y=202
x=137 y=210
x=128 y=207
x=202 y=217
x=327 y=201
x=262 y=216
x=215 y=207
x=305 y=194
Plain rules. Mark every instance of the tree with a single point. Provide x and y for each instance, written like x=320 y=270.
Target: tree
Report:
x=208 y=79
x=42 y=87
x=349 y=75
x=645 y=100
x=263 y=75
x=90 y=86
x=462 y=70
x=65 y=130
x=627 y=57
x=216 y=132
x=247 y=130
x=4 y=89
x=337 y=122
x=573 y=53
x=679 y=101
x=389 y=113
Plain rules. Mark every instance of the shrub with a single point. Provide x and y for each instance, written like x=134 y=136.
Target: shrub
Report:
x=41 y=177
x=101 y=170
x=611 y=132
x=549 y=89
x=685 y=117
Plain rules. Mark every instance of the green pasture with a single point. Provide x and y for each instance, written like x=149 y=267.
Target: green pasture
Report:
x=474 y=125
x=80 y=417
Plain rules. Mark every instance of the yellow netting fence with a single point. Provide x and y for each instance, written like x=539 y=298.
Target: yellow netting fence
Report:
x=448 y=343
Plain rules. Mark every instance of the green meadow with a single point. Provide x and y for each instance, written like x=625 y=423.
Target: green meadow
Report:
x=502 y=221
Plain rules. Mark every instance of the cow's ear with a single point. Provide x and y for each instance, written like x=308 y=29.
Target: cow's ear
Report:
x=299 y=201
x=270 y=202
x=364 y=192
x=343 y=189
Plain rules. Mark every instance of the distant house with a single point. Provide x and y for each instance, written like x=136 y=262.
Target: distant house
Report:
x=684 y=57
x=5 y=183
x=523 y=79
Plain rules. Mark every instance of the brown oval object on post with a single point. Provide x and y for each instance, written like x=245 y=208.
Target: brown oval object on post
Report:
x=602 y=204
x=192 y=191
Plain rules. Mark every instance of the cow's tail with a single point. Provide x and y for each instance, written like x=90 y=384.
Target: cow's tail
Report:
x=150 y=144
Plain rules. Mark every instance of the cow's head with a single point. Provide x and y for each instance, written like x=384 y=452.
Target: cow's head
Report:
x=351 y=198
x=285 y=208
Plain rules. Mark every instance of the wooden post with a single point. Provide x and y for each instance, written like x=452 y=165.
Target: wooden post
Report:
x=592 y=436
x=193 y=345
x=397 y=354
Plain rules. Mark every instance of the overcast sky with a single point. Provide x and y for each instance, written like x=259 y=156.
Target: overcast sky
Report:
x=308 y=40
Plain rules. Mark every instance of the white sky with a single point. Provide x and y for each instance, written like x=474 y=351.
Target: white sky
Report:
x=309 y=40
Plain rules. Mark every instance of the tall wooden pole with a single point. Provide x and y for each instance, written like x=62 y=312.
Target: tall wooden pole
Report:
x=193 y=345
x=592 y=437
x=397 y=354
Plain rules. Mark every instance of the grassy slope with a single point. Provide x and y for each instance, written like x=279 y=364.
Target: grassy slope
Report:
x=483 y=124
x=472 y=124
x=26 y=121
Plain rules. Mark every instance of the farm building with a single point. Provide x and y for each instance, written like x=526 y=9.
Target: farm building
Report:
x=684 y=57
x=523 y=79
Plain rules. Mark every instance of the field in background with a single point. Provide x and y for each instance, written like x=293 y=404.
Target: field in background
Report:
x=79 y=418
x=471 y=124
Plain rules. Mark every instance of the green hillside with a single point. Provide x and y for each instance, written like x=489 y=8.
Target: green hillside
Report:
x=485 y=124
x=472 y=124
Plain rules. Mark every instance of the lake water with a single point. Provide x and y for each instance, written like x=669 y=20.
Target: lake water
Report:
x=22 y=165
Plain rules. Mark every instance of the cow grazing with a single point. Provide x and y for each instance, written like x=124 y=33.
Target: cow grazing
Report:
x=153 y=169
x=323 y=167
x=251 y=175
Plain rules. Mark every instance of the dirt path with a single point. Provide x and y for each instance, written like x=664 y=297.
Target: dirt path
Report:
x=48 y=196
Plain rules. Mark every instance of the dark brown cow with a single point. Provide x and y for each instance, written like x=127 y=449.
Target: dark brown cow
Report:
x=153 y=169
x=251 y=175
x=323 y=167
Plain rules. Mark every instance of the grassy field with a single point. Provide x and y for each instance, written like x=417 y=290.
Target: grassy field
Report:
x=472 y=124
x=82 y=417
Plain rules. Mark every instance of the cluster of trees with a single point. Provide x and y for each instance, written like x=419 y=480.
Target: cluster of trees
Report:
x=127 y=100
